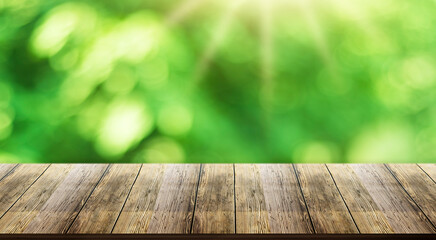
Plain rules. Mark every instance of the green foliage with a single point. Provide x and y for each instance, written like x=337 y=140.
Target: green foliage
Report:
x=217 y=81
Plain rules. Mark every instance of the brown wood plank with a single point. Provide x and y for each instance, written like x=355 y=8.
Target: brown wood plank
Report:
x=430 y=169
x=367 y=215
x=269 y=200
x=327 y=209
x=136 y=214
x=16 y=183
x=105 y=203
x=286 y=208
x=251 y=211
x=175 y=201
x=161 y=201
x=215 y=205
x=5 y=169
x=29 y=205
x=419 y=186
x=59 y=211
x=401 y=212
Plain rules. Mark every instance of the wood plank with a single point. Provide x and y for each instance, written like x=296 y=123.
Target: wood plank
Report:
x=251 y=211
x=269 y=194
x=28 y=206
x=419 y=186
x=287 y=212
x=59 y=211
x=430 y=169
x=162 y=200
x=175 y=201
x=367 y=215
x=17 y=182
x=215 y=205
x=327 y=209
x=104 y=205
x=5 y=169
x=136 y=215
x=401 y=212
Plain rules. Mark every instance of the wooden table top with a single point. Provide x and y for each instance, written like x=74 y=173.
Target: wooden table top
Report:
x=218 y=198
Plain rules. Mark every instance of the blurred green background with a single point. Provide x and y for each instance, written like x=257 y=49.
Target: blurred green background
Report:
x=217 y=81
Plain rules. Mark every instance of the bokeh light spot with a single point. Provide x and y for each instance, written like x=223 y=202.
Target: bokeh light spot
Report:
x=383 y=142
x=419 y=72
x=58 y=24
x=5 y=125
x=126 y=123
x=175 y=120
x=121 y=80
x=134 y=38
x=162 y=150
x=154 y=73
x=316 y=152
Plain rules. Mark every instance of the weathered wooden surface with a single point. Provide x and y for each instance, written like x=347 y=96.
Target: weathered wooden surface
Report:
x=218 y=198
x=5 y=169
x=136 y=215
x=162 y=200
x=430 y=170
x=419 y=186
x=269 y=200
x=27 y=207
x=367 y=215
x=400 y=210
x=327 y=209
x=16 y=182
x=65 y=202
x=175 y=201
x=215 y=208
x=104 y=206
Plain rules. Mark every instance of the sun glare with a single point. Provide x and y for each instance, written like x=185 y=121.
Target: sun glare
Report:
x=265 y=21
x=216 y=39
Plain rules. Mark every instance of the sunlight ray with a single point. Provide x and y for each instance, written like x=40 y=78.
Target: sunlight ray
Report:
x=182 y=11
x=216 y=39
x=266 y=53
x=318 y=36
x=316 y=31
x=361 y=19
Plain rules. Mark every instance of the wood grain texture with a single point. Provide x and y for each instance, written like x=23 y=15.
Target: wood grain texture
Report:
x=104 y=205
x=367 y=215
x=17 y=182
x=287 y=212
x=327 y=209
x=29 y=205
x=5 y=169
x=136 y=215
x=430 y=169
x=269 y=200
x=251 y=211
x=217 y=198
x=419 y=186
x=59 y=211
x=215 y=205
x=175 y=201
x=401 y=212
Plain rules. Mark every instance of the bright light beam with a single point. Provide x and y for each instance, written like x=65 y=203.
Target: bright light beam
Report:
x=266 y=53
x=217 y=38
x=318 y=36
x=364 y=23
x=182 y=11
